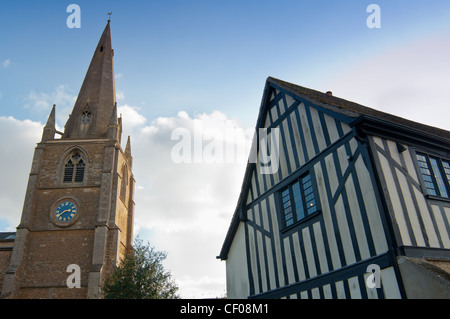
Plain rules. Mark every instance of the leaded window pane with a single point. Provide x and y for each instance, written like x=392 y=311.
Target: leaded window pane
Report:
x=438 y=177
x=74 y=169
x=298 y=200
x=68 y=172
x=79 y=175
x=435 y=174
x=426 y=174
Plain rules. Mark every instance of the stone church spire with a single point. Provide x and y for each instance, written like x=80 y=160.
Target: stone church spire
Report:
x=96 y=100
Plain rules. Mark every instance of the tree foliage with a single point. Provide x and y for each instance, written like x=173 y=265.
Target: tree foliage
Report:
x=141 y=275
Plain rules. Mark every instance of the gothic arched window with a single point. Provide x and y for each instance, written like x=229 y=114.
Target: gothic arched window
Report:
x=74 y=169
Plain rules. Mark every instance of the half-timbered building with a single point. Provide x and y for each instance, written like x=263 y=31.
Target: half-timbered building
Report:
x=356 y=190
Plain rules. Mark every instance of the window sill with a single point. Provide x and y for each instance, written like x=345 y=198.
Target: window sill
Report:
x=438 y=198
x=301 y=222
x=73 y=184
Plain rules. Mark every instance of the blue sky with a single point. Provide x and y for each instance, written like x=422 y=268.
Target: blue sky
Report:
x=178 y=61
x=199 y=55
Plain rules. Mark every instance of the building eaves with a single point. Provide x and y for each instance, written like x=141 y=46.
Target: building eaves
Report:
x=355 y=110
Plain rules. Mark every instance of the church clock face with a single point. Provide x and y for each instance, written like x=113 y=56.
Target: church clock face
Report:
x=65 y=212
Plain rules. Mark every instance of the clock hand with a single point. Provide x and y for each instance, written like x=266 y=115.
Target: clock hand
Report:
x=67 y=210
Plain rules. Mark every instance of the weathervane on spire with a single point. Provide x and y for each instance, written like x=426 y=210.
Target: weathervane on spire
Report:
x=109 y=16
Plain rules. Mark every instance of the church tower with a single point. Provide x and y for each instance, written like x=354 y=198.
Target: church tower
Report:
x=77 y=218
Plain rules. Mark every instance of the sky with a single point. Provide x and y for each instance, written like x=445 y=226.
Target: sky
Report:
x=190 y=66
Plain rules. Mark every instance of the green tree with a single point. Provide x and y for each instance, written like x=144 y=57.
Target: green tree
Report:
x=141 y=275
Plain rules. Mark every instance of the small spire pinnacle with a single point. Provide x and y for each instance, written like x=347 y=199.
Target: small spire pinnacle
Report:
x=114 y=127
x=128 y=147
x=113 y=119
x=128 y=151
x=51 y=118
x=49 y=128
x=109 y=16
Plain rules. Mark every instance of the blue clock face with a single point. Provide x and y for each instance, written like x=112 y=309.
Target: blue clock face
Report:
x=66 y=211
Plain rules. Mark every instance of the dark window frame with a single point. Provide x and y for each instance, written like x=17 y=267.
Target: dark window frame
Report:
x=435 y=175
x=298 y=201
x=74 y=169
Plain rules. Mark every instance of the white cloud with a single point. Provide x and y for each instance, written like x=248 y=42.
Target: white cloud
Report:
x=119 y=95
x=19 y=141
x=130 y=117
x=410 y=81
x=61 y=96
x=186 y=208
x=6 y=63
